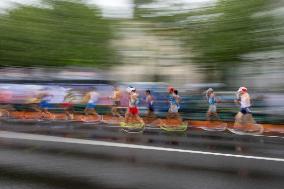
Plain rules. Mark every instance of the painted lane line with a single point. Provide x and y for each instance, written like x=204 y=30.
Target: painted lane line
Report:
x=46 y=138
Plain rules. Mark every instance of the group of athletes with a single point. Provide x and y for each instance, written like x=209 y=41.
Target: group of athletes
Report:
x=40 y=103
x=243 y=117
x=242 y=98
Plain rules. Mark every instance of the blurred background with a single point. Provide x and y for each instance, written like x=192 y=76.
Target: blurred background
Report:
x=190 y=44
x=65 y=47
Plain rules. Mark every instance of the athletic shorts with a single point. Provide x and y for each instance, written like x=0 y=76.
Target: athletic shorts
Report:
x=133 y=110
x=116 y=103
x=212 y=108
x=245 y=110
x=44 y=104
x=151 y=108
x=67 y=105
x=174 y=108
x=91 y=105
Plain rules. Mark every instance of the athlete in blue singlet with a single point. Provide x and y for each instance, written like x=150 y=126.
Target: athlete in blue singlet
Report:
x=212 y=110
x=174 y=101
x=44 y=97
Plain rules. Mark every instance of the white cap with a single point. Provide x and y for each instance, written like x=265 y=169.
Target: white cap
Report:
x=242 y=89
x=129 y=89
x=209 y=90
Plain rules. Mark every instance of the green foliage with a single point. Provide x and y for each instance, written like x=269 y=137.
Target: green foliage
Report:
x=66 y=33
x=221 y=34
x=234 y=29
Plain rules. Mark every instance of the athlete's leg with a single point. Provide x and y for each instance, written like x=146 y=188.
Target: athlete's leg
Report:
x=86 y=111
x=94 y=112
x=247 y=117
x=139 y=118
x=5 y=110
x=36 y=107
x=115 y=112
x=212 y=113
x=127 y=116
x=68 y=110
x=174 y=113
x=47 y=114
x=91 y=111
x=178 y=117
x=215 y=116
x=170 y=114
x=208 y=115
x=69 y=113
x=239 y=123
x=151 y=112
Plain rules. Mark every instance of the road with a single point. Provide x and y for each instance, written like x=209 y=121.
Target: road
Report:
x=95 y=156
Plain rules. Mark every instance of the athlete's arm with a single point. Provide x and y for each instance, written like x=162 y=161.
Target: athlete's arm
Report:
x=151 y=99
x=147 y=99
x=217 y=99
x=69 y=95
x=86 y=98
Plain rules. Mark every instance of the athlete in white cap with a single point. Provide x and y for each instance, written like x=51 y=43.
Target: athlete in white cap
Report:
x=212 y=110
x=244 y=117
x=244 y=99
x=132 y=110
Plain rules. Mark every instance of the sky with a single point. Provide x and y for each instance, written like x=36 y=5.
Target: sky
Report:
x=115 y=8
x=110 y=8
x=8 y=4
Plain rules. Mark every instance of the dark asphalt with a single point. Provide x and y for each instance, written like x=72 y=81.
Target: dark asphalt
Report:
x=38 y=164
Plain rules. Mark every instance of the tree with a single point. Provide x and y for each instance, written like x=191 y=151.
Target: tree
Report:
x=65 y=33
x=234 y=29
x=217 y=36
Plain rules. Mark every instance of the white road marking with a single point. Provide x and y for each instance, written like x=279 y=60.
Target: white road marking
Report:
x=45 y=138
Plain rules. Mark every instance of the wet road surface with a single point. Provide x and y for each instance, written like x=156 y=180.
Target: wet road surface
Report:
x=94 y=156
